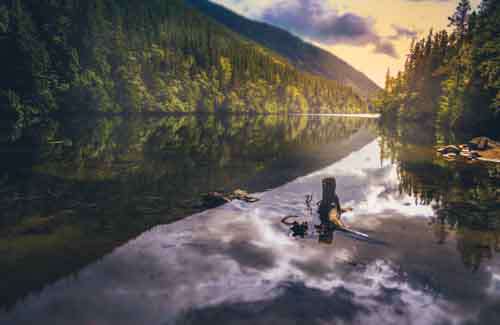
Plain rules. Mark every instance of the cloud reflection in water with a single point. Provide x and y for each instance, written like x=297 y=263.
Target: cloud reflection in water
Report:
x=237 y=264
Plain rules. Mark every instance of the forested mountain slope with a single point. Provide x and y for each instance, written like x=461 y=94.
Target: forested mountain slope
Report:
x=451 y=79
x=303 y=55
x=79 y=56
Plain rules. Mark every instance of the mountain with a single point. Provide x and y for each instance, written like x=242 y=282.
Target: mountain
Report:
x=115 y=56
x=302 y=55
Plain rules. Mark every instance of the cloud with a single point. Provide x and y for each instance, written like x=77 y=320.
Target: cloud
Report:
x=296 y=303
x=403 y=32
x=320 y=22
x=386 y=48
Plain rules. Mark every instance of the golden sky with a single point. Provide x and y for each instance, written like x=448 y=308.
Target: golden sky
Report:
x=379 y=19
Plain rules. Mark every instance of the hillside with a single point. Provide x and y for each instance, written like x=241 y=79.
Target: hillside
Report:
x=451 y=80
x=302 y=55
x=115 y=56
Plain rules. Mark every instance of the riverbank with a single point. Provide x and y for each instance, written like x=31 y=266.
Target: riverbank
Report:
x=492 y=155
x=477 y=149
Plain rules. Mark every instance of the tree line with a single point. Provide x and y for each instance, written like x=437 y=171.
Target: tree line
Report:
x=451 y=79
x=80 y=56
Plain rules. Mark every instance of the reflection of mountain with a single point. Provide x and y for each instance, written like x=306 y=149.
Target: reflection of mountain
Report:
x=98 y=182
x=465 y=196
x=108 y=148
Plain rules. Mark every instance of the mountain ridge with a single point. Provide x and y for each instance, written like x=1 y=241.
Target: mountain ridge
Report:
x=301 y=54
x=115 y=56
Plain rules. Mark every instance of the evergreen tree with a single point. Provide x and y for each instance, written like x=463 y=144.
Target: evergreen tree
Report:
x=133 y=56
x=452 y=80
x=459 y=20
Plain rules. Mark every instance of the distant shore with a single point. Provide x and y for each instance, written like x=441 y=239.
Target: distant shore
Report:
x=367 y=115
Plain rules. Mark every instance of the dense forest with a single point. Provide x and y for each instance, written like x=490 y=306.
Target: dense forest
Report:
x=451 y=79
x=302 y=55
x=81 y=56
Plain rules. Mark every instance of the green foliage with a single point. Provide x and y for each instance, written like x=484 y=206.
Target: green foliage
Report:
x=460 y=18
x=4 y=20
x=451 y=80
x=302 y=55
x=137 y=56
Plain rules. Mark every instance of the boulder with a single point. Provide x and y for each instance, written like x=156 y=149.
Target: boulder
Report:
x=483 y=143
x=474 y=154
x=451 y=149
x=450 y=156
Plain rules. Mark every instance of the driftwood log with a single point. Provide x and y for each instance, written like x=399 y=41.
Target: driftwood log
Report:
x=214 y=199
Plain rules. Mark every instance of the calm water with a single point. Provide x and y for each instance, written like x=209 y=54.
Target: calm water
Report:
x=72 y=207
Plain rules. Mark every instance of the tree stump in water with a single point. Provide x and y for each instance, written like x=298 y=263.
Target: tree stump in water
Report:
x=329 y=191
x=329 y=207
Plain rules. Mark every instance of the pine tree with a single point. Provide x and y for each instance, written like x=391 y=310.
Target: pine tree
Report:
x=459 y=20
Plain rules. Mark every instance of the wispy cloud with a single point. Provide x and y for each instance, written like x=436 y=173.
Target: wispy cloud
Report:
x=319 y=21
x=403 y=32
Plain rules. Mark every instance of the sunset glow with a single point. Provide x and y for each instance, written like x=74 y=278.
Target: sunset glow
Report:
x=385 y=16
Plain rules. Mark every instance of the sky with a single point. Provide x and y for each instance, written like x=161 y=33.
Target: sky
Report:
x=371 y=35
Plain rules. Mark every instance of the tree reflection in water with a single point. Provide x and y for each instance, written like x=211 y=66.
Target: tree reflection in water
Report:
x=73 y=191
x=465 y=196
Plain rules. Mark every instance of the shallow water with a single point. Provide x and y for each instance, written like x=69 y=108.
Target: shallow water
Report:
x=432 y=256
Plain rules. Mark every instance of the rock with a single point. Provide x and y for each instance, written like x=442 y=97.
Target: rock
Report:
x=242 y=196
x=482 y=143
x=214 y=199
x=239 y=194
x=465 y=154
x=450 y=156
x=472 y=155
x=451 y=149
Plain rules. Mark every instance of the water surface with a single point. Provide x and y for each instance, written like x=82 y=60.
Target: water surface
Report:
x=72 y=191
x=432 y=257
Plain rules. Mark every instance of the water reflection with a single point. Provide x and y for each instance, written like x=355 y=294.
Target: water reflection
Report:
x=238 y=264
x=71 y=192
x=464 y=196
